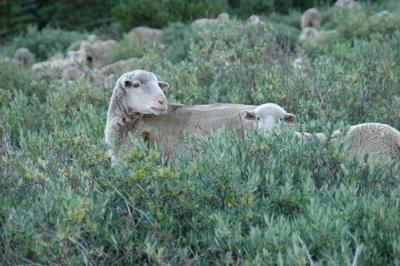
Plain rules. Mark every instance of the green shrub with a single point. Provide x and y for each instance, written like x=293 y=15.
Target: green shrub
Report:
x=256 y=199
x=130 y=13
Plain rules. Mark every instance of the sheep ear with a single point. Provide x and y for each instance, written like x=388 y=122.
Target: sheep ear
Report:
x=250 y=115
x=163 y=85
x=288 y=118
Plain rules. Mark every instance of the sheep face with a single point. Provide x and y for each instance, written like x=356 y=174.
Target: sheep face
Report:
x=268 y=115
x=142 y=92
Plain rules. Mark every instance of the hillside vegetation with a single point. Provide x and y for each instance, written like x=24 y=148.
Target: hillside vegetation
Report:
x=257 y=200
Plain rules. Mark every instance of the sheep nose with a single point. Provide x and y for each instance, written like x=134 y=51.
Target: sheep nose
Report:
x=162 y=102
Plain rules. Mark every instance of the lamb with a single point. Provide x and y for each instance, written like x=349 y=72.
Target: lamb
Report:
x=223 y=17
x=379 y=141
x=267 y=115
x=24 y=56
x=311 y=18
x=144 y=112
x=350 y=5
x=144 y=34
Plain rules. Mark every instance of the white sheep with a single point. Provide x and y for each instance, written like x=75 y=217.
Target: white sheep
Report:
x=311 y=18
x=378 y=141
x=268 y=115
x=309 y=34
x=144 y=34
x=24 y=56
x=384 y=13
x=53 y=69
x=143 y=111
x=136 y=93
x=98 y=52
x=350 y=5
x=223 y=17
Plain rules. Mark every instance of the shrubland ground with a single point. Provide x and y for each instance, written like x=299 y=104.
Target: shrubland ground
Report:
x=252 y=200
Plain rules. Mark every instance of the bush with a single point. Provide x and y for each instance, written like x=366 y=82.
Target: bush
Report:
x=256 y=199
x=130 y=13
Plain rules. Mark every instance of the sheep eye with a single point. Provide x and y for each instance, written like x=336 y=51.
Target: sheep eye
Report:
x=127 y=83
x=136 y=85
x=258 y=118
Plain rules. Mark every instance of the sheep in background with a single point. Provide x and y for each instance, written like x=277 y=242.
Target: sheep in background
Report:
x=72 y=73
x=76 y=46
x=311 y=18
x=254 y=22
x=120 y=66
x=350 y=5
x=223 y=17
x=98 y=52
x=24 y=56
x=53 y=69
x=308 y=34
x=299 y=64
x=144 y=34
x=383 y=14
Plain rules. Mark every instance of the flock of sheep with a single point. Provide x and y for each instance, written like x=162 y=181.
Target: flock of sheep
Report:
x=139 y=106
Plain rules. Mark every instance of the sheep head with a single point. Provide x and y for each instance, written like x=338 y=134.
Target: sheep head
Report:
x=141 y=91
x=268 y=115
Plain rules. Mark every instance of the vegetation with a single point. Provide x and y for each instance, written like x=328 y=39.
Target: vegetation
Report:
x=255 y=200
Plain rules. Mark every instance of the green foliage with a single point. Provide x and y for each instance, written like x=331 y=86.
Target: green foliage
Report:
x=43 y=43
x=257 y=199
x=159 y=13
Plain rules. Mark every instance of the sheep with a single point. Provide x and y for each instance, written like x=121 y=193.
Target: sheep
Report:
x=350 y=5
x=98 y=52
x=378 y=141
x=299 y=64
x=254 y=23
x=223 y=17
x=24 y=56
x=72 y=73
x=136 y=93
x=144 y=112
x=144 y=34
x=311 y=18
x=120 y=66
x=76 y=46
x=53 y=69
x=267 y=115
x=309 y=34
x=384 y=13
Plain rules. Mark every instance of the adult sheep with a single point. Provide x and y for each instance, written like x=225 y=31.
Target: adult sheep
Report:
x=378 y=141
x=24 y=56
x=144 y=34
x=221 y=18
x=350 y=5
x=311 y=18
x=138 y=105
